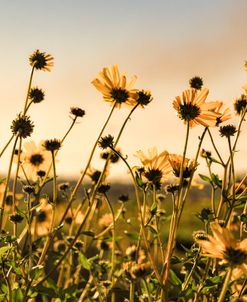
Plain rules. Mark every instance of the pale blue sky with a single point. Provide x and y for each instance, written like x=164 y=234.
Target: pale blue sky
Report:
x=164 y=43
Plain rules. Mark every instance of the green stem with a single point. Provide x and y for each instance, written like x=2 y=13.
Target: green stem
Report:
x=155 y=269
x=147 y=290
x=28 y=91
x=54 y=206
x=7 y=183
x=132 y=292
x=215 y=148
x=113 y=238
x=225 y=286
x=74 y=192
x=174 y=221
x=6 y=146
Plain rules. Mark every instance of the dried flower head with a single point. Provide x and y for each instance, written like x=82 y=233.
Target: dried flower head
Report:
x=22 y=126
x=114 y=87
x=192 y=108
x=144 y=97
x=200 y=235
x=63 y=186
x=41 y=61
x=123 y=198
x=52 y=144
x=29 y=189
x=36 y=95
x=114 y=158
x=104 y=188
x=16 y=218
x=240 y=104
x=196 y=82
x=106 y=141
x=228 y=130
x=77 y=112
x=206 y=154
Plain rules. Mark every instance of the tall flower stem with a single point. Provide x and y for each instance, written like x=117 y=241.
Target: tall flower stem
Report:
x=7 y=183
x=6 y=146
x=74 y=192
x=225 y=285
x=54 y=206
x=150 y=256
x=233 y=182
x=132 y=292
x=62 y=140
x=174 y=221
x=113 y=237
x=28 y=91
x=15 y=183
x=102 y=175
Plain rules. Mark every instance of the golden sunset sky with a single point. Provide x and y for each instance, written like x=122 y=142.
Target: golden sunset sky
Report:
x=164 y=43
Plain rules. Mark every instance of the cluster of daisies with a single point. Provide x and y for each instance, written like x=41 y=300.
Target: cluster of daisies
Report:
x=35 y=166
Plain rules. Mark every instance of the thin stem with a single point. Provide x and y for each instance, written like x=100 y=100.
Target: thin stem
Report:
x=54 y=206
x=113 y=237
x=173 y=230
x=74 y=192
x=132 y=292
x=7 y=183
x=147 y=290
x=225 y=286
x=215 y=148
x=157 y=274
x=6 y=146
x=28 y=91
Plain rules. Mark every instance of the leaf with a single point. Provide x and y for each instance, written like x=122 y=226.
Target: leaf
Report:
x=152 y=229
x=4 y=250
x=84 y=261
x=153 y=208
x=36 y=271
x=243 y=218
x=17 y=295
x=174 y=278
x=205 y=178
x=216 y=180
x=88 y=233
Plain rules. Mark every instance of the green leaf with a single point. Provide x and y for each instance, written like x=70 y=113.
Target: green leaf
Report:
x=174 y=278
x=243 y=218
x=152 y=229
x=216 y=180
x=205 y=178
x=84 y=261
x=153 y=208
x=17 y=295
x=4 y=250
x=88 y=233
x=36 y=271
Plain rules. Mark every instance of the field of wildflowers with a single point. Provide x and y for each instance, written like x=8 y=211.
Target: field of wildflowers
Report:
x=88 y=249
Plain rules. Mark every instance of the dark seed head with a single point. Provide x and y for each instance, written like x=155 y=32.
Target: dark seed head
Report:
x=76 y=111
x=52 y=144
x=22 y=126
x=196 y=82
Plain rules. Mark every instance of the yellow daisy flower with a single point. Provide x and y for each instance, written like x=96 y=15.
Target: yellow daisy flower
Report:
x=42 y=219
x=115 y=88
x=156 y=166
x=188 y=168
x=35 y=158
x=225 y=113
x=223 y=245
x=192 y=108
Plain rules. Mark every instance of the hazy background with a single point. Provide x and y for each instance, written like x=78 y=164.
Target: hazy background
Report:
x=164 y=43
